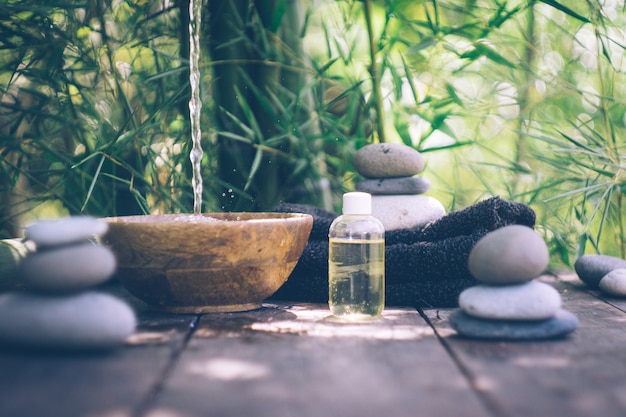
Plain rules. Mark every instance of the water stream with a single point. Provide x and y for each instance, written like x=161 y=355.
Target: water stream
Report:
x=195 y=103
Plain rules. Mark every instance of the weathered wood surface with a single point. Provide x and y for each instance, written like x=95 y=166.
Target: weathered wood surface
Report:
x=286 y=360
x=581 y=375
x=116 y=384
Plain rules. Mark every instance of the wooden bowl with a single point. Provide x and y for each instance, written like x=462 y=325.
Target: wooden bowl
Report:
x=214 y=262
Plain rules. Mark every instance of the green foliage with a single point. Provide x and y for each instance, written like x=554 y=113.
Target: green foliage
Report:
x=520 y=98
x=83 y=120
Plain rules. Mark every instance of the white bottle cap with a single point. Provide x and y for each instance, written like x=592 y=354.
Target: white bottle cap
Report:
x=357 y=203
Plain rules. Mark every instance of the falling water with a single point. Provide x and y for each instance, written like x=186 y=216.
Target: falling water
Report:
x=195 y=104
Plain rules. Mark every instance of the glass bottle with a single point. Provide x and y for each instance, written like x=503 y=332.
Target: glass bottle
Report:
x=356 y=261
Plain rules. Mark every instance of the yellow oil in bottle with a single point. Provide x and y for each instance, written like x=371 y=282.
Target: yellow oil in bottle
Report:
x=356 y=278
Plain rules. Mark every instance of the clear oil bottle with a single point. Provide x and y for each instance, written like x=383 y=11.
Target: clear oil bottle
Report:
x=356 y=261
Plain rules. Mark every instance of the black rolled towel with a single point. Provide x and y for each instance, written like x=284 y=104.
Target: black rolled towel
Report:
x=424 y=266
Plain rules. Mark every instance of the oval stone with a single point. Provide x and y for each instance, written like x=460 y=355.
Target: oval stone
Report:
x=85 y=321
x=385 y=160
x=66 y=230
x=592 y=268
x=394 y=186
x=67 y=268
x=509 y=255
x=532 y=300
x=406 y=211
x=614 y=282
x=560 y=325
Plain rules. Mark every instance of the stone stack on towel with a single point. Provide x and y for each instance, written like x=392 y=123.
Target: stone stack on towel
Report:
x=392 y=176
x=426 y=266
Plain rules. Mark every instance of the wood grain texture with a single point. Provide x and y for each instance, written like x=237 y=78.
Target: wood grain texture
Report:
x=581 y=375
x=115 y=384
x=208 y=263
x=286 y=361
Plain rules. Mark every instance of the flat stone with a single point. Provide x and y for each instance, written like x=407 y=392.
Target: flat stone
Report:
x=614 y=282
x=386 y=160
x=532 y=300
x=66 y=230
x=394 y=186
x=85 y=321
x=557 y=326
x=67 y=268
x=592 y=268
x=406 y=211
x=509 y=255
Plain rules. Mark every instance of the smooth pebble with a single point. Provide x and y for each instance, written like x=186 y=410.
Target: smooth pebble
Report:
x=592 y=268
x=85 y=321
x=385 y=160
x=67 y=268
x=509 y=255
x=394 y=186
x=66 y=230
x=614 y=282
x=557 y=326
x=406 y=211
x=532 y=300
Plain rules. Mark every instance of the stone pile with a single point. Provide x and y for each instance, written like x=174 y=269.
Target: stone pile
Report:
x=391 y=171
x=608 y=273
x=59 y=308
x=510 y=304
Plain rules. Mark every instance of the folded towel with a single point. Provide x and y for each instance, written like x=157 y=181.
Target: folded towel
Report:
x=424 y=266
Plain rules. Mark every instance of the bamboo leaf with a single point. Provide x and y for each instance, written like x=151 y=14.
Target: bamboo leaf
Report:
x=565 y=10
x=482 y=49
x=256 y=163
x=93 y=183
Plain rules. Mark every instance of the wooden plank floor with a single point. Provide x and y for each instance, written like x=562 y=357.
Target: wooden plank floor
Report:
x=287 y=360
x=582 y=375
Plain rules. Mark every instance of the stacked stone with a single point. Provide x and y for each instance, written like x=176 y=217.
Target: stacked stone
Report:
x=608 y=273
x=510 y=304
x=391 y=171
x=59 y=309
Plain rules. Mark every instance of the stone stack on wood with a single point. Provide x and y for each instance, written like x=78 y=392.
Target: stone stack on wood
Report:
x=608 y=273
x=59 y=309
x=510 y=304
x=391 y=171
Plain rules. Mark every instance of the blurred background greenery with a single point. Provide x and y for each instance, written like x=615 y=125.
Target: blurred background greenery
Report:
x=523 y=99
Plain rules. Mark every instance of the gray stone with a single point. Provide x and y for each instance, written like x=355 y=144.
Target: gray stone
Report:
x=406 y=211
x=614 y=282
x=67 y=268
x=560 y=325
x=532 y=300
x=592 y=268
x=66 y=230
x=386 y=160
x=85 y=321
x=394 y=186
x=508 y=255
